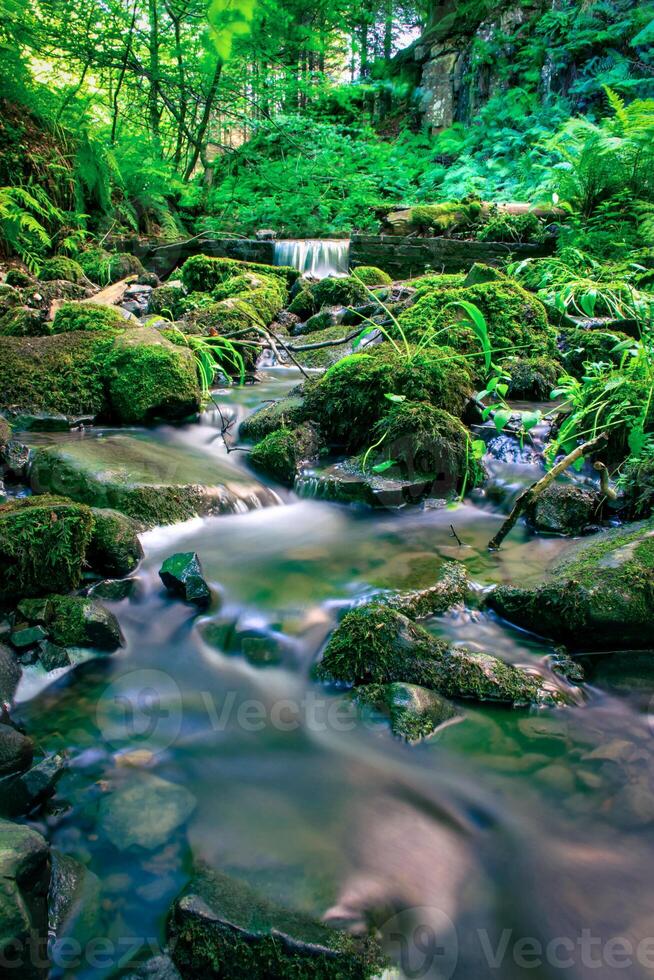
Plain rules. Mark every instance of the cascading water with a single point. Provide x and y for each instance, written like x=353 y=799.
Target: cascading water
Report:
x=315 y=257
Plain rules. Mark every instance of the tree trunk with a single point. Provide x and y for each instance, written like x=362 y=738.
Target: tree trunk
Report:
x=204 y=121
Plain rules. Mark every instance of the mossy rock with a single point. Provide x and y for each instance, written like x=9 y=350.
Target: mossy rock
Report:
x=167 y=300
x=580 y=347
x=153 y=483
x=324 y=357
x=43 y=546
x=266 y=295
x=104 y=267
x=23 y=321
x=532 y=378
x=75 y=621
x=62 y=267
x=516 y=320
x=287 y=413
x=19 y=278
x=432 y=280
x=25 y=875
x=223 y=317
x=447 y=218
x=133 y=377
x=599 y=597
x=204 y=272
x=220 y=928
x=375 y=644
x=370 y=276
x=9 y=297
x=114 y=549
x=302 y=304
x=426 y=441
x=345 y=291
x=413 y=712
x=351 y=396
x=74 y=317
x=564 y=508
x=279 y=453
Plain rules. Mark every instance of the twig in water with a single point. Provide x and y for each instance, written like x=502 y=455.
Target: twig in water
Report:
x=531 y=493
x=455 y=535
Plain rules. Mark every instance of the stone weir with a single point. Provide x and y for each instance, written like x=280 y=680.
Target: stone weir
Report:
x=164 y=258
x=405 y=256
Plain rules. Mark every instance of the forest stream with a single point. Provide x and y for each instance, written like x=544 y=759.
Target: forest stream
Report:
x=508 y=833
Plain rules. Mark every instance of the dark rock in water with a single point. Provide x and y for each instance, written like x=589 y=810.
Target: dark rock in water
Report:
x=286 y=413
x=16 y=750
x=182 y=575
x=414 y=712
x=599 y=597
x=35 y=610
x=260 y=644
x=281 y=453
x=113 y=590
x=114 y=548
x=145 y=814
x=221 y=928
x=28 y=636
x=15 y=458
x=52 y=656
x=374 y=644
x=10 y=674
x=565 y=508
x=156 y=968
x=80 y=622
x=346 y=483
x=74 y=899
x=20 y=794
x=25 y=877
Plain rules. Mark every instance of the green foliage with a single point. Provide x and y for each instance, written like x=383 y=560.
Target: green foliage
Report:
x=61 y=267
x=504 y=227
x=205 y=273
x=88 y=316
x=104 y=267
x=370 y=275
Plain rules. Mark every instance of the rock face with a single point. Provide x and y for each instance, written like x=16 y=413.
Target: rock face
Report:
x=10 y=674
x=220 y=928
x=150 y=482
x=114 y=548
x=146 y=814
x=24 y=878
x=16 y=750
x=598 y=598
x=374 y=644
x=182 y=575
x=414 y=712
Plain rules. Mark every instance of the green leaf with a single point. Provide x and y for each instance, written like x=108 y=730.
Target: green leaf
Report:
x=530 y=419
x=394 y=398
x=501 y=418
x=478 y=448
x=382 y=467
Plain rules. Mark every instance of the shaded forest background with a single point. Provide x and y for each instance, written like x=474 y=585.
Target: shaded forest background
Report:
x=169 y=117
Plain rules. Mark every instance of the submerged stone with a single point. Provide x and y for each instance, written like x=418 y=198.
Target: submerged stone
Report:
x=149 y=481
x=182 y=575
x=414 y=712
x=74 y=898
x=25 y=876
x=52 y=656
x=221 y=928
x=374 y=644
x=146 y=813
x=599 y=597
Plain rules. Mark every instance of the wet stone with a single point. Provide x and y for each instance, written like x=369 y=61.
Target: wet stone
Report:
x=53 y=656
x=10 y=674
x=182 y=575
x=16 y=750
x=28 y=636
x=145 y=814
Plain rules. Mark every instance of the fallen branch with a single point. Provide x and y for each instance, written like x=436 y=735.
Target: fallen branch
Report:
x=605 y=484
x=528 y=496
x=326 y=343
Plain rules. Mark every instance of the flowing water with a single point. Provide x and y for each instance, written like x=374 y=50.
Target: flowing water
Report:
x=513 y=843
x=315 y=257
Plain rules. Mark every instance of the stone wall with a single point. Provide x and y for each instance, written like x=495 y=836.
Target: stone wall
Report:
x=404 y=257
x=164 y=258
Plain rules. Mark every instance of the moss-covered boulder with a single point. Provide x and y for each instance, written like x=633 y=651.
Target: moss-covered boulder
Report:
x=9 y=297
x=370 y=275
x=302 y=303
x=564 y=508
x=23 y=321
x=287 y=413
x=280 y=453
x=599 y=597
x=419 y=439
x=114 y=549
x=104 y=267
x=71 y=317
x=147 y=480
x=43 y=544
x=167 y=300
x=61 y=267
x=532 y=378
x=25 y=876
x=580 y=347
x=375 y=644
x=19 y=278
x=220 y=928
x=133 y=377
x=351 y=396
x=345 y=291
x=413 y=712
x=204 y=272
x=74 y=621
x=516 y=320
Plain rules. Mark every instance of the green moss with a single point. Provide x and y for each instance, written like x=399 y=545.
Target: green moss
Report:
x=428 y=441
x=516 y=320
x=350 y=397
x=414 y=712
x=512 y=228
x=9 y=297
x=323 y=357
x=302 y=304
x=105 y=267
x=80 y=622
x=5 y=432
x=204 y=273
x=72 y=317
x=61 y=267
x=370 y=275
x=287 y=413
x=374 y=644
x=151 y=381
x=167 y=300
x=20 y=321
x=532 y=378
x=346 y=291
x=19 y=278
x=638 y=482
x=445 y=218
x=114 y=549
x=580 y=347
x=43 y=544
x=279 y=453
x=425 y=284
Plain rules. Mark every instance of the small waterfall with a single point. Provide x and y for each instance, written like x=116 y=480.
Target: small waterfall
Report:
x=314 y=256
